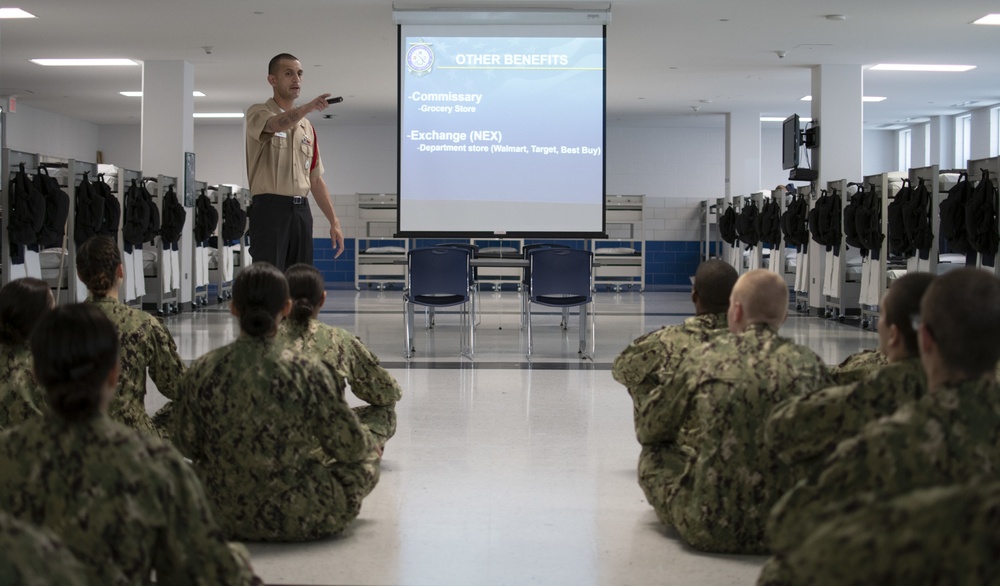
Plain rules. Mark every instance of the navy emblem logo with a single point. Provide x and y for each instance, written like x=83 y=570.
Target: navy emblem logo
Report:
x=420 y=58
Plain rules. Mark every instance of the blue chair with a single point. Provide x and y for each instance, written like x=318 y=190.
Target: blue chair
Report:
x=438 y=277
x=562 y=277
x=473 y=276
x=525 y=287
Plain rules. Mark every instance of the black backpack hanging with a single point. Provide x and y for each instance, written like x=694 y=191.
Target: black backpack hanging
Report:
x=899 y=243
x=746 y=224
x=769 y=223
x=206 y=218
x=825 y=219
x=89 y=211
x=27 y=209
x=952 y=219
x=56 y=209
x=981 y=217
x=112 y=208
x=153 y=222
x=234 y=220
x=917 y=220
x=136 y=215
x=794 y=222
x=727 y=225
x=868 y=221
x=173 y=218
x=851 y=227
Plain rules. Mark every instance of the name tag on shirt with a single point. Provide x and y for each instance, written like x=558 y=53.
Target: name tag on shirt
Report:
x=280 y=135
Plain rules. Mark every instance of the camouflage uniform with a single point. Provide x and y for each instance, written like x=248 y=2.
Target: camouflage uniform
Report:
x=945 y=536
x=721 y=501
x=858 y=366
x=355 y=363
x=950 y=435
x=21 y=398
x=653 y=358
x=282 y=456
x=32 y=556
x=804 y=430
x=146 y=343
x=123 y=502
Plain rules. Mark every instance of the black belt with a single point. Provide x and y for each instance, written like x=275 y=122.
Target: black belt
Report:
x=295 y=200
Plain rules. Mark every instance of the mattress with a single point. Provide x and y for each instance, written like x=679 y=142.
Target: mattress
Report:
x=384 y=250
x=616 y=251
x=499 y=252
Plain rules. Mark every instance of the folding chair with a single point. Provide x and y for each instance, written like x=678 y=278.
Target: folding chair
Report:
x=439 y=277
x=562 y=277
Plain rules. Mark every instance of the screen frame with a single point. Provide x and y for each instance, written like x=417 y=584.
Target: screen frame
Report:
x=471 y=234
x=791 y=142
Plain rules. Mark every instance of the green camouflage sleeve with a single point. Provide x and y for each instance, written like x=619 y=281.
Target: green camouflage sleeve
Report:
x=667 y=409
x=334 y=423
x=30 y=555
x=808 y=427
x=184 y=429
x=639 y=360
x=21 y=398
x=881 y=456
x=165 y=366
x=369 y=381
x=947 y=533
x=193 y=550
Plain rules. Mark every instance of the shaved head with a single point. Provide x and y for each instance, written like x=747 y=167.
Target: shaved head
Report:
x=762 y=297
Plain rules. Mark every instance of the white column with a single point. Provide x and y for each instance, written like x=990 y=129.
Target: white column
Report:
x=167 y=133
x=979 y=147
x=919 y=140
x=742 y=153
x=837 y=111
x=942 y=142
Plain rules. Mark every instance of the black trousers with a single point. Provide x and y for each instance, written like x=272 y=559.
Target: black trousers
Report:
x=281 y=230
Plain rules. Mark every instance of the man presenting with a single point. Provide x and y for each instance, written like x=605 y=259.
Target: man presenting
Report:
x=283 y=166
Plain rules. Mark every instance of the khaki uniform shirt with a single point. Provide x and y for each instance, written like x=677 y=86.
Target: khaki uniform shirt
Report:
x=146 y=345
x=21 y=398
x=124 y=503
x=280 y=163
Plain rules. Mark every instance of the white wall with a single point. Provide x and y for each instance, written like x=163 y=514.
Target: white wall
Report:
x=880 y=152
x=36 y=131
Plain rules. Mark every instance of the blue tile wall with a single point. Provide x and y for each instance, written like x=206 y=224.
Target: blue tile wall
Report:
x=669 y=264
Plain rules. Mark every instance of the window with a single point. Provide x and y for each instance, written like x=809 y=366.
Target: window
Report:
x=905 y=137
x=995 y=132
x=963 y=140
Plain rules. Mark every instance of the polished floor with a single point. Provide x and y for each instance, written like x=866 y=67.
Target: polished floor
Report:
x=504 y=470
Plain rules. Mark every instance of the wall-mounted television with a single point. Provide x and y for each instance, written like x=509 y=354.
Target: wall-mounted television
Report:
x=791 y=141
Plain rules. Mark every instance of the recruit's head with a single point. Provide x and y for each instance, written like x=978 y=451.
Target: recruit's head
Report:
x=959 y=321
x=713 y=284
x=896 y=337
x=75 y=350
x=758 y=297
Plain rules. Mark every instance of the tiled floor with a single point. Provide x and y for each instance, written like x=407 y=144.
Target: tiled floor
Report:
x=505 y=471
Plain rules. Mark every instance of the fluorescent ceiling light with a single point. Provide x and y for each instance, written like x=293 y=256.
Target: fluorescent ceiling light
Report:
x=15 y=13
x=916 y=67
x=988 y=19
x=863 y=98
x=82 y=62
x=196 y=94
x=781 y=119
x=218 y=114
